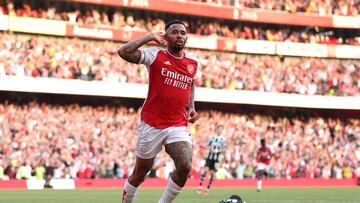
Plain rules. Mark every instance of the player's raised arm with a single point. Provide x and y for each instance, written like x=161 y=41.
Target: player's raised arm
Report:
x=130 y=51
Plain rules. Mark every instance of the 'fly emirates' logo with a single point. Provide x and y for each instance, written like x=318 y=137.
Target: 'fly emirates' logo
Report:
x=176 y=79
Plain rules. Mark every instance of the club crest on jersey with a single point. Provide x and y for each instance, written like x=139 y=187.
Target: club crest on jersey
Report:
x=190 y=68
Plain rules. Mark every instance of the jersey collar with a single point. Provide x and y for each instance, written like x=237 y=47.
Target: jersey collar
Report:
x=175 y=56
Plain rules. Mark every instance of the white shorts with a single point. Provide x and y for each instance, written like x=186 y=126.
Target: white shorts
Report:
x=150 y=140
x=262 y=166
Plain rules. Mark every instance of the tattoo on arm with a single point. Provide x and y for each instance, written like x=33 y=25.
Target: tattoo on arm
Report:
x=132 y=46
x=130 y=52
x=192 y=103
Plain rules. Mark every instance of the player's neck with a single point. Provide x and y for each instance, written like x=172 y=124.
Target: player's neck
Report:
x=176 y=54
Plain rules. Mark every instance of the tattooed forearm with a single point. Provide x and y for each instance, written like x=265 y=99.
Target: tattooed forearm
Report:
x=134 y=45
x=129 y=51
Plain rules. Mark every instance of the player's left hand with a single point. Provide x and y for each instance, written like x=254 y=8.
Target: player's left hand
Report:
x=192 y=115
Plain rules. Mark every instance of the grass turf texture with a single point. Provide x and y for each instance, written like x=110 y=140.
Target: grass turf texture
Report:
x=268 y=195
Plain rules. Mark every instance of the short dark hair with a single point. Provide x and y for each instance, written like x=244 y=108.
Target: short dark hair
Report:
x=262 y=141
x=174 y=22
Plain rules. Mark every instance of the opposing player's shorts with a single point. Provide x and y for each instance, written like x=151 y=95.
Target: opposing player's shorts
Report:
x=211 y=164
x=150 y=140
x=262 y=166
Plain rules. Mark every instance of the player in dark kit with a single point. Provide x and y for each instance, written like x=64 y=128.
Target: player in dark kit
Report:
x=167 y=110
x=216 y=145
x=263 y=158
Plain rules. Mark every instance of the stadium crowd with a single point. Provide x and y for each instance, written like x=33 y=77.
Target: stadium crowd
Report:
x=318 y=7
x=43 y=140
x=150 y=21
x=35 y=56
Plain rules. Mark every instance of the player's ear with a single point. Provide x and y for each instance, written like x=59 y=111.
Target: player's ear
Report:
x=186 y=38
x=166 y=37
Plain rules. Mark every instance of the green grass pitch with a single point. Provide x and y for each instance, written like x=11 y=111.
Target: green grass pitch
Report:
x=268 y=195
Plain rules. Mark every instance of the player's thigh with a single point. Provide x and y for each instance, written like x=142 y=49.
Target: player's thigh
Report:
x=150 y=141
x=179 y=145
x=212 y=172
x=207 y=164
x=210 y=164
x=180 y=152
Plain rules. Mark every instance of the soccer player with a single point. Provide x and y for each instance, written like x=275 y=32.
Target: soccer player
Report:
x=167 y=110
x=216 y=145
x=263 y=158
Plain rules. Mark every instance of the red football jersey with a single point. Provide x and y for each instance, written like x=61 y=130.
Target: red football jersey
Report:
x=264 y=155
x=170 y=80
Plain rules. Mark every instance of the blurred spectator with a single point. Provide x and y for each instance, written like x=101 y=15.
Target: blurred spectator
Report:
x=24 y=171
x=240 y=169
x=40 y=172
x=1 y=170
x=249 y=171
x=223 y=172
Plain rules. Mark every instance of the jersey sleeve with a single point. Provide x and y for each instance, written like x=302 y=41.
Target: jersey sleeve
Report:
x=148 y=55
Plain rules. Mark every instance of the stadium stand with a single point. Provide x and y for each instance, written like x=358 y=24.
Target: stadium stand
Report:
x=88 y=15
x=81 y=141
x=23 y=55
x=322 y=8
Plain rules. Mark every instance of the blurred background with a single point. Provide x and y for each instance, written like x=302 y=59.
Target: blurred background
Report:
x=286 y=70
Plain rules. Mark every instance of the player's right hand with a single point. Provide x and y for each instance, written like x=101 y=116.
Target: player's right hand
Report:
x=158 y=37
x=192 y=115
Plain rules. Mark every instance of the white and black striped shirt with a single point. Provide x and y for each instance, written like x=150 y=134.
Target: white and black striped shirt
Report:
x=216 y=145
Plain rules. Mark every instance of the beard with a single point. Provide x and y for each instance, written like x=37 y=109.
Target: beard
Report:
x=177 y=47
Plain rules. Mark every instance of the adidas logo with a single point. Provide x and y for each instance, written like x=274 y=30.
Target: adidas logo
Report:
x=167 y=63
